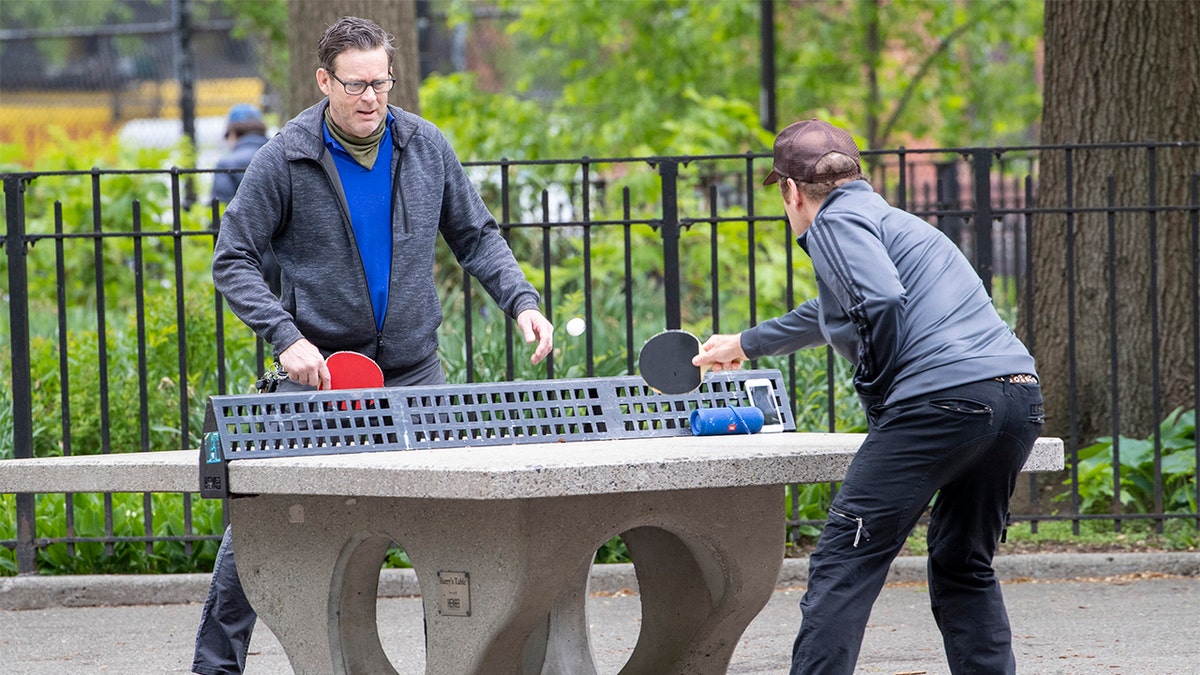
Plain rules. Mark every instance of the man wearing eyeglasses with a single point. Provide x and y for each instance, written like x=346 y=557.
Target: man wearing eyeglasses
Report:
x=351 y=195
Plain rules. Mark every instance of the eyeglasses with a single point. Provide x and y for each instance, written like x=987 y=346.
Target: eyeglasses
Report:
x=359 y=88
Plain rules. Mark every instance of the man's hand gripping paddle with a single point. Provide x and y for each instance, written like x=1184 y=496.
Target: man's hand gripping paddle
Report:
x=347 y=370
x=351 y=370
x=666 y=362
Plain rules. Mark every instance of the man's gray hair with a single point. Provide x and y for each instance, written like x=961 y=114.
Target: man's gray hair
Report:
x=352 y=33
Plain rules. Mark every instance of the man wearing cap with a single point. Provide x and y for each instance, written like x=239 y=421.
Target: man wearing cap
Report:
x=951 y=395
x=246 y=132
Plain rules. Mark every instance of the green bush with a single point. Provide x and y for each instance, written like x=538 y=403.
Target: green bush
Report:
x=8 y=531
x=1095 y=470
x=612 y=551
x=128 y=387
x=128 y=520
x=807 y=503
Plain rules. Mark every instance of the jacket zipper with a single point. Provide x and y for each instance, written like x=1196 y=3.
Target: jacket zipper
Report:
x=398 y=190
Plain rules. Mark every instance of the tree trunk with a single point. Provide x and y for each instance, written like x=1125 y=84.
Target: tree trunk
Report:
x=1117 y=71
x=307 y=21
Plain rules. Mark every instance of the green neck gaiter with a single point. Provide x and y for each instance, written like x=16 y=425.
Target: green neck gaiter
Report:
x=363 y=150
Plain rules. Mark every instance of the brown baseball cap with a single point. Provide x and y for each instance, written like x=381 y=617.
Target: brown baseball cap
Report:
x=801 y=146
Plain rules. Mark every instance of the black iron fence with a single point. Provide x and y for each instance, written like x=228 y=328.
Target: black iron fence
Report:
x=116 y=336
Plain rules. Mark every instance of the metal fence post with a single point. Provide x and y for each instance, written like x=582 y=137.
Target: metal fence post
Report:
x=669 y=170
x=185 y=71
x=982 y=160
x=22 y=387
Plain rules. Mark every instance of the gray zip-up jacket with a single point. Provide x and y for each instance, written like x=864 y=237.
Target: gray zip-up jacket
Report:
x=897 y=299
x=292 y=200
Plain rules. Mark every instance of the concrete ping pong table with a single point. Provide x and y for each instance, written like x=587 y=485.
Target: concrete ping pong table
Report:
x=500 y=497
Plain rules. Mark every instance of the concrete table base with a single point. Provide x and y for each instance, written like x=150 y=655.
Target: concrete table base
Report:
x=502 y=539
x=505 y=581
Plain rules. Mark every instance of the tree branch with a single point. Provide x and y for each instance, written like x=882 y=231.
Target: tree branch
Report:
x=943 y=45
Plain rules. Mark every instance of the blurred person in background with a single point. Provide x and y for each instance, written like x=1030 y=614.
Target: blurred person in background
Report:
x=245 y=132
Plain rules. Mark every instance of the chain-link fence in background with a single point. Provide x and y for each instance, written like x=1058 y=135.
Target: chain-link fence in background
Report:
x=174 y=63
x=134 y=79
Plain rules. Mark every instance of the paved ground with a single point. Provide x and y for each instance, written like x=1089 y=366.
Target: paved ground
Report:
x=1141 y=623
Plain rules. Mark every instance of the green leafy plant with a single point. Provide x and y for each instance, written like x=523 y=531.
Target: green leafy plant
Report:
x=8 y=531
x=396 y=558
x=806 y=503
x=128 y=520
x=1178 y=465
x=612 y=551
x=128 y=389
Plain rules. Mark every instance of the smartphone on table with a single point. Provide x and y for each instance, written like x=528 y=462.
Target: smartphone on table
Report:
x=762 y=396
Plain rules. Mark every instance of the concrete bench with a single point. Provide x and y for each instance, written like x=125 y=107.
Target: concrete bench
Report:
x=502 y=540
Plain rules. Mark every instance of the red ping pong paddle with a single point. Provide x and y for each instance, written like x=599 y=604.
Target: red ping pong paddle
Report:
x=665 y=362
x=351 y=370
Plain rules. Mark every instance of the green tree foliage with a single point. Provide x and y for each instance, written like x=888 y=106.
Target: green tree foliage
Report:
x=264 y=22
x=633 y=77
x=649 y=77
x=951 y=73
x=682 y=77
x=48 y=13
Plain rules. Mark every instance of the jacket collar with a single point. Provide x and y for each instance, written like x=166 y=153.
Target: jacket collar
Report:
x=837 y=193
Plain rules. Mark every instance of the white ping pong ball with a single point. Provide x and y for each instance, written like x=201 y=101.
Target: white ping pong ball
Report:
x=576 y=326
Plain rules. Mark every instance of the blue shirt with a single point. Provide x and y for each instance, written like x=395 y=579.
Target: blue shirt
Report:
x=369 y=195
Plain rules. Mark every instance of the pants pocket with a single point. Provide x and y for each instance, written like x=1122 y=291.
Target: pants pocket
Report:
x=962 y=406
x=843 y=519
x=1037 y=413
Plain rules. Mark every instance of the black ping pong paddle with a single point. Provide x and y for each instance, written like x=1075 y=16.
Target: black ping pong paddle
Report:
x=665 y=362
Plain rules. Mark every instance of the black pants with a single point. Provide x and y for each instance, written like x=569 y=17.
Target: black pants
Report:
x=967 y=444
x=227 y=620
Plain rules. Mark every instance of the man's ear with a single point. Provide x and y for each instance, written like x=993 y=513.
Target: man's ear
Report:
x=323 y=80
x=792 y=194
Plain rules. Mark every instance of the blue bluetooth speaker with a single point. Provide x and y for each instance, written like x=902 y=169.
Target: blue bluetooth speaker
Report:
x=728 y=420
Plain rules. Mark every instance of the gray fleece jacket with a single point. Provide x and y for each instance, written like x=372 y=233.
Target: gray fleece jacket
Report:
x=291 y=200
x=897 y=299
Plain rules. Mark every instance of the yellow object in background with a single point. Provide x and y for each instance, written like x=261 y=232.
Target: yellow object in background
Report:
x=26 y=117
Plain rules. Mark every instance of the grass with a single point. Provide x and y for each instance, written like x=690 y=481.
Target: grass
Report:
x=1138 y=536
x=1100 y=536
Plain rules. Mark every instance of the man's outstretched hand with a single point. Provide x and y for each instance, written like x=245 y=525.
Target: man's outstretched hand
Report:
x=537 y=328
